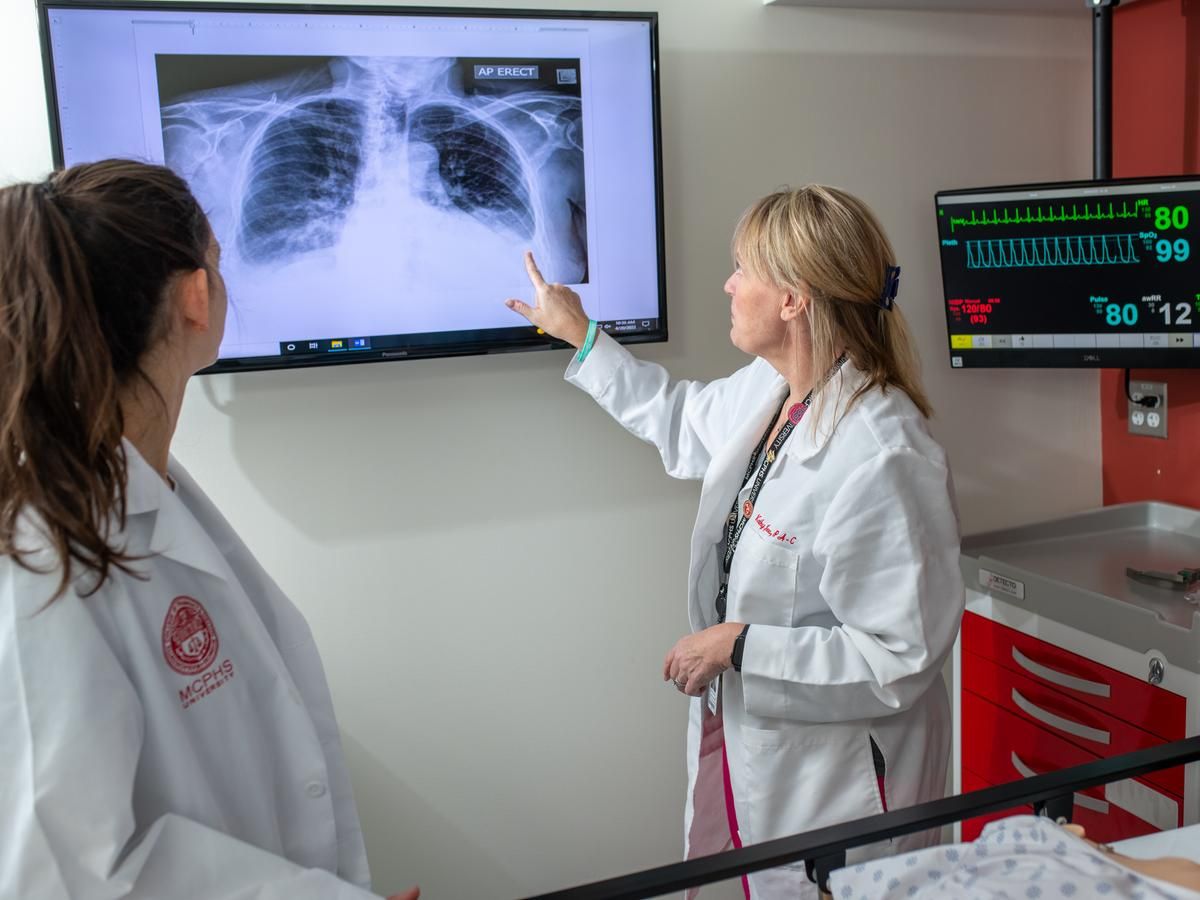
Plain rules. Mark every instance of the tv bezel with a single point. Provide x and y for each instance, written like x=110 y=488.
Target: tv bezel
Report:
x=1064 y=358
x=524 y=337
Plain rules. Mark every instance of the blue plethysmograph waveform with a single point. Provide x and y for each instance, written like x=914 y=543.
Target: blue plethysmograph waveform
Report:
x=1070 y=250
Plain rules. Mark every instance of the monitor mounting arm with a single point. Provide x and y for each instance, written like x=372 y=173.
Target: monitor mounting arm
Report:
x=1102 y=12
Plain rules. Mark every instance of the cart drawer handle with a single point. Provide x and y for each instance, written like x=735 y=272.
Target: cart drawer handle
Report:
x=1060 y=678
x=1081 y=800
x=1049 y=718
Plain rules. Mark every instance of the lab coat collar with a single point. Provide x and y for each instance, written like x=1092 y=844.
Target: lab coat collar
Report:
x=176 y=534
x=811 y=435
x=807 y=439
x=144 y=487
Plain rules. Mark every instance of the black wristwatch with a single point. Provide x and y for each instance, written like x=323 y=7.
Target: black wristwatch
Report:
x=739 y=645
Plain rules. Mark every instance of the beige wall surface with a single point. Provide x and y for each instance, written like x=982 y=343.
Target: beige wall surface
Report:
x=492 y=569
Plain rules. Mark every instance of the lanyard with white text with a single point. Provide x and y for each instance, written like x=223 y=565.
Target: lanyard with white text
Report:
x=737 y=523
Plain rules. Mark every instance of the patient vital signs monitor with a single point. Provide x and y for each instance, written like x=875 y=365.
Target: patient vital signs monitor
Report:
x=1076 y=274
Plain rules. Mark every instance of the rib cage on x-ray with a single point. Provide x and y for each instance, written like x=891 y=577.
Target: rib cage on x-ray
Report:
x=476 y=168
x=282 y=163
x=300 y=180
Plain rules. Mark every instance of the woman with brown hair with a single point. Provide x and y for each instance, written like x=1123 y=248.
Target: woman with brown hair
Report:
x=824 y=592
x=165 y=722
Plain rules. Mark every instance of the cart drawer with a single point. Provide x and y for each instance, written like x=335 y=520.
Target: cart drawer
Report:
x=1139 y=703
x=1116 y=825
x=1050 y=709
x=1002 y=747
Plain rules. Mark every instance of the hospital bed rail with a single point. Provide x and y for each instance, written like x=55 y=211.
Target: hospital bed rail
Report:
x=824 y=849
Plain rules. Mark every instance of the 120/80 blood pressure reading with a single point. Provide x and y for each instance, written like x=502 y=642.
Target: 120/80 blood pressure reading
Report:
x=974 y=310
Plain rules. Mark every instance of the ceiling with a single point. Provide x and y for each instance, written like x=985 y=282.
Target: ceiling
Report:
x=1021 y=6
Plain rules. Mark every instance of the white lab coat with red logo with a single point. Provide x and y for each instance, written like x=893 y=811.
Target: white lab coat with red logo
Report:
x=848 y=575
x=169 y=737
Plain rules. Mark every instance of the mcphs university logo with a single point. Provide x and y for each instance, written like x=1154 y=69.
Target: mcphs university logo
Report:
x=189 y=639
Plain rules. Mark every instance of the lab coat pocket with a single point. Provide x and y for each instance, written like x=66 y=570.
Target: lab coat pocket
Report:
x=802 y=776
x=762 y=584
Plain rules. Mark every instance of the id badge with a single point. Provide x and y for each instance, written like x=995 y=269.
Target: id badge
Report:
x=714 y=695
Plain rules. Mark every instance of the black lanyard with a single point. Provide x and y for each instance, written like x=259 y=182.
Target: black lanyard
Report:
x=735 y=524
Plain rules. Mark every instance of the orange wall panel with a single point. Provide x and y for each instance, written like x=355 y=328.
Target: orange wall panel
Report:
x=1156 y=131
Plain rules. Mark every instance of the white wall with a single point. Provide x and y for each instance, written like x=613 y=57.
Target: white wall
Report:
x=492 y=570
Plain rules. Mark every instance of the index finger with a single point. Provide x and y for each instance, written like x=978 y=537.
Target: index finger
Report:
x=535 y=274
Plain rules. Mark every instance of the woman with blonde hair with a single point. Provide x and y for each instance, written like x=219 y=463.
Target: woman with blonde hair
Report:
x=824 y=592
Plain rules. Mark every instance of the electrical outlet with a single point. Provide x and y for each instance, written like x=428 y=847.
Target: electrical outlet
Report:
x=1150 y=421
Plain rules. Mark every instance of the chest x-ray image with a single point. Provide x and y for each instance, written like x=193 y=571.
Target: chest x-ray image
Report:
x=383 y=194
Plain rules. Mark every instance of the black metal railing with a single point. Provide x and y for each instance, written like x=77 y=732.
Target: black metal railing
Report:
x=824 y=849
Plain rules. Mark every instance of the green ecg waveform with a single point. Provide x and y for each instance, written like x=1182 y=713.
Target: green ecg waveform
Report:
x=1036 y=214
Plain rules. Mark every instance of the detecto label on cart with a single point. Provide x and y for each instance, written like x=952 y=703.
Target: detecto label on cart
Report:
x=1001 y=584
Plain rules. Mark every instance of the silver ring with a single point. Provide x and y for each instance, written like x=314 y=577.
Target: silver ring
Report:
x=678 y=684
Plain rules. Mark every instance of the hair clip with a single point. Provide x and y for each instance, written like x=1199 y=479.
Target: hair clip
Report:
x=891 y=287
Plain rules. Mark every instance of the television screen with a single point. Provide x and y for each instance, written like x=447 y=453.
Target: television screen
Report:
x=1077 y=274
x=375 y=174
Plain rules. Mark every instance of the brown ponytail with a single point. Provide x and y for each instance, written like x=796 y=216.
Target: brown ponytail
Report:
x=85 y=260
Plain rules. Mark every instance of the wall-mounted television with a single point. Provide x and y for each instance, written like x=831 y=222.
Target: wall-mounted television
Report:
x=374 y=174
x=1073 y=274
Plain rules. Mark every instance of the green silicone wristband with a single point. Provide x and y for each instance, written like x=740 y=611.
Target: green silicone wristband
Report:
x=588 y=342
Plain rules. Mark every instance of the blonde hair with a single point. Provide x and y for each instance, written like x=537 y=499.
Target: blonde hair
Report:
x=826 y=244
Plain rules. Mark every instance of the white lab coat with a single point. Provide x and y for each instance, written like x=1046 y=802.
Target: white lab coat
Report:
x=124 y=777
x=848 y=574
